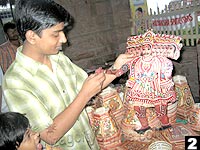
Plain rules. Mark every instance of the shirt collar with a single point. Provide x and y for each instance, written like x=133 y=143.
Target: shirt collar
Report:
x=30 y=64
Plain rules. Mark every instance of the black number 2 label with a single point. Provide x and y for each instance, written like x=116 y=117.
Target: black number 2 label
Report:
x=192 y=144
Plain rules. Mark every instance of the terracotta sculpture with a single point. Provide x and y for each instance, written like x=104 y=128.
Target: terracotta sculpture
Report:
x=150 y=79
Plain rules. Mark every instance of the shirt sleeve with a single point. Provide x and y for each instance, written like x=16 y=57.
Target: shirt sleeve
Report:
x=30 y=106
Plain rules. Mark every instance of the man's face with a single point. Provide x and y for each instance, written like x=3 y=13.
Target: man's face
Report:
x=12 y=34
x=50 y=40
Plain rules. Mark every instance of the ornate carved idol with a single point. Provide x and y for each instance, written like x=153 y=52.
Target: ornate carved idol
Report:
x=150 y=81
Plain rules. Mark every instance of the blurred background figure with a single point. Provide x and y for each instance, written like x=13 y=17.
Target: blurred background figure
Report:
x=138 y=12
x=9 y=45
x=12 y=34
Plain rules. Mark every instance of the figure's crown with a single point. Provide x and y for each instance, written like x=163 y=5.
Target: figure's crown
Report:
x=155 y=44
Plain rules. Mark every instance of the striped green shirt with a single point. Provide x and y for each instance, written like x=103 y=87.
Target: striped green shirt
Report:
x=33 y=89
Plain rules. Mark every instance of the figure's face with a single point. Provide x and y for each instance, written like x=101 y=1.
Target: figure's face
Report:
x=138 y=14
x=50 y=40
x=31 y=141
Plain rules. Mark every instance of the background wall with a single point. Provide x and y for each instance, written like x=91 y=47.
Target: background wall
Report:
x=187 y=65
x=100 y=32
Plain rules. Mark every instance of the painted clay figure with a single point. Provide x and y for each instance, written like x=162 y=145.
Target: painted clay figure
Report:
x=150 y=81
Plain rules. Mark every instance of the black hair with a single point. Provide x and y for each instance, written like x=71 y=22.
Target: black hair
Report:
x=37 y=15
x=139 y=9
x=13 y=125
x=8 y=25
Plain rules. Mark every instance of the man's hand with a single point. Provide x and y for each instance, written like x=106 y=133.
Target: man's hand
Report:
x=121 y=60
x=93 y=84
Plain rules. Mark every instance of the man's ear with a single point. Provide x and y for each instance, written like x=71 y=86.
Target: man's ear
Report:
x=17 y=145
x=31 y=36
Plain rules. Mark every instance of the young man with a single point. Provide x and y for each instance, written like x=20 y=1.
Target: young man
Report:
x=15 y=133
x=45 y=85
